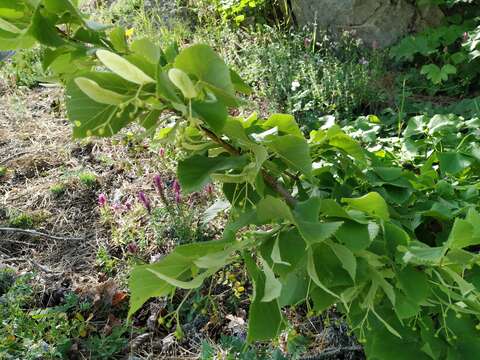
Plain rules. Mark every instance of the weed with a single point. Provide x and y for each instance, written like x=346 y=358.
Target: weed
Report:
x=21 y=221
x=105 y=347
x=88 y=179
x=3 y=171
x=58 y=190
x=105 y=261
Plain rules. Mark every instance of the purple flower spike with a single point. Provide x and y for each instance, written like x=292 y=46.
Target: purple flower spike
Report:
x=161 y=152
x=176 y=186
x=128 y=205
x=102 y=200
x=157 y=181
x=145 y=201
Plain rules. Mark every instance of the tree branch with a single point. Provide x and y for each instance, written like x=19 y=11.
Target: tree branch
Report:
x=269 y=179
x=37 y=233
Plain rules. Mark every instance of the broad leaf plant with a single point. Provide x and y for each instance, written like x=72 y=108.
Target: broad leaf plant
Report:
x=387 y=235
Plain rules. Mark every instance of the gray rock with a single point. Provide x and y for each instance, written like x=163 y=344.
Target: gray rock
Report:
x=377 y=22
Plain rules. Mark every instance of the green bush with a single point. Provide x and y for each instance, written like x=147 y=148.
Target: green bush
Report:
x=298 y=73
x=24 y=68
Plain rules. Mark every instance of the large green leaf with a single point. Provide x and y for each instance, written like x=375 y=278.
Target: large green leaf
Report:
x=144 y=281
x=453 y=162
x=271 y=208
x=372 y=204
x=284 y=123
x=346 y=257
x=91 y=117
x=194 y=172
x=414 y=284
x=356 y=236
x=294 y=151
x=201 y=61
x=265 y=320
x=183 y=82
x=213 y=113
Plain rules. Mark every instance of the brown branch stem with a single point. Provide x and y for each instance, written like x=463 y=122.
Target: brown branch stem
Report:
x=269 y=179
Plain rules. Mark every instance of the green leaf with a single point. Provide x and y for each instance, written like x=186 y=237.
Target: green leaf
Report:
x=123 y=67
x=312 y=272
x=465 y=286
x=213 y=113
x=91 y=117
x=394 y=236
x=355 y=236
x=346 y=257
x=118 y=39
x=453 y=162
x=462 y=235
x=99 y=94
x=196 y=282
x=294 y=151
x=265 y=318
x=183 y=82
x=372 y=204
x=194 y=172
x=317 y=232
x=239 y=84
x=424 y=255
x=414 y=283
x=273 y=287
x=306 y=215
x=200 y=60
x=271 y=208
x=437 y=74
x=145 y=284
x=146 y=48
x=284 y=123
x=7 y=26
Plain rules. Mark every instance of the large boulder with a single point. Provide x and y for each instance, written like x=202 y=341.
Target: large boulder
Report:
x=377 y=22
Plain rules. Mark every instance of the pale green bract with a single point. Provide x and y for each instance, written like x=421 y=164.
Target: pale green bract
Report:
x=99 y=94
x=183 y=82
x=123 y=67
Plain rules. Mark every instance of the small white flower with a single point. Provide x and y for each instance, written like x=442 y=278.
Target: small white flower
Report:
x=295 y=85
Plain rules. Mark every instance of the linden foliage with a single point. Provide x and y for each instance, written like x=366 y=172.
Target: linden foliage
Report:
x=388 y=234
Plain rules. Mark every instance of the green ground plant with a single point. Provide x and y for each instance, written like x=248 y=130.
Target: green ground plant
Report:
x=48 y=332
x=88 y=179
x=447 y=54
x=58 y=190
x=388 y=236
x=22 y=220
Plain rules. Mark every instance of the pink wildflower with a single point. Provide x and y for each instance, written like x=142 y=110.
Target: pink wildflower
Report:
x=145 y=201
x=157 y=181
x=102 y=200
